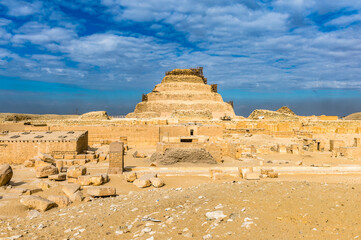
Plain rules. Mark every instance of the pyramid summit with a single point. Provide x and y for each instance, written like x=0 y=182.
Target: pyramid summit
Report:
x=183 y=93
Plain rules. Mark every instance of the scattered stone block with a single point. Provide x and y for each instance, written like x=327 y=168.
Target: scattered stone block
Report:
x=38 y=203
x=142 y=183
x=252 y=176
x=76 y=171
x=43 y=185
x=215 y=215
x=272 y=174
x=60 y=201
x=70 y=189
x=46 y=158
x=32 y=191
x=45 y=171
x=266 y=171
x=68 y=163
x=40 y=163
x=72 y=180
x=29 y=163
x=77 y=196
x=157 y=182
x=58 y=177
x=59 y=164
x=101 y=191
x=87 y=180
x=6 y=173
x=130 y=176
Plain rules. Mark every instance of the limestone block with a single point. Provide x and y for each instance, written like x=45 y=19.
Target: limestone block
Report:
x=272 y=174
x=157 y=182
x=6 y=173
x=68 y=163
x=80 y=156
x=252 y=176
x=70 y=189
x=90 y=156
x=101 y=191
x=40 y=163
x=86 y=180
x=59 y=164
x=43 y=185
x=69 y=156
x=76 y=171
x=31 y=191
x=46 y=171
x=142 y=183
x=46 y=157
x=29 y=163
x=77 y=196
x=130 y=176
x=60 y=201
x=58 y=177
x=38 y=203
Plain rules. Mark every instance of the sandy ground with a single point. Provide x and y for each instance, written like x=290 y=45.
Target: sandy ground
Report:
x=290 y=207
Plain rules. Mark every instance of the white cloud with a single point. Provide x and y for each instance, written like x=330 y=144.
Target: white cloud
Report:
x=38 y=33
x=18 y=8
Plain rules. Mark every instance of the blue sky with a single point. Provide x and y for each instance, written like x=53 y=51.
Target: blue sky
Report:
x=58 y=56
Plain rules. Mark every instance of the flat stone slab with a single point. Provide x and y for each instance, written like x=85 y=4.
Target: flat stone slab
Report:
x=101 y=191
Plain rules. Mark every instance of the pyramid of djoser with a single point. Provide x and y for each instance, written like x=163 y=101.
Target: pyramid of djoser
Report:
x=183 y=93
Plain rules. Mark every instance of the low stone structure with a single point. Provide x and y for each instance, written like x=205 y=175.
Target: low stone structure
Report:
x=17 y=147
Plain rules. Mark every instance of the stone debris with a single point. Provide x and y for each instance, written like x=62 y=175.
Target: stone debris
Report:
x=94 y=180
x=29 y=163
x=77 y=196
x=70 y=189
x=130 y=176
x=141 y=183
x=61 y=201
x=33 y=214
x=58 y=177
x=101 y=191
x=6 y=173
x=37 y=203
x=215 y=215
x=157 y=182
x=76 y=171
x=46 y=170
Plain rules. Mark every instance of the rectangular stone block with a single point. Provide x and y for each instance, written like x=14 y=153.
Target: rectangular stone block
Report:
x=116 y=158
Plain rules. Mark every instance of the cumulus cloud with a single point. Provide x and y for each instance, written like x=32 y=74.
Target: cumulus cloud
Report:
x=242 y=44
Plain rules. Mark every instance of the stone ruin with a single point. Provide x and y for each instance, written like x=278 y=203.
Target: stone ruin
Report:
x=183 y=93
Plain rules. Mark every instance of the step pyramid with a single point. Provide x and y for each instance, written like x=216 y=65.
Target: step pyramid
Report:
x=183 y=93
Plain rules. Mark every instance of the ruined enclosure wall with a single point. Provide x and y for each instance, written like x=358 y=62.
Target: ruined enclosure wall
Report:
x=16 y=152
x=136 y=135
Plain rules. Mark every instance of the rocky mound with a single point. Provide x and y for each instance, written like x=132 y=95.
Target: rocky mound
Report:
x=174 y=155
x=353 y=116
x=271 y=115
x=285 y=110
x=16 y=117
x=97 y=115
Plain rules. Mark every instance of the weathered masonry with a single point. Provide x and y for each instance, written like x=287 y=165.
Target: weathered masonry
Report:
x=16 y=147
